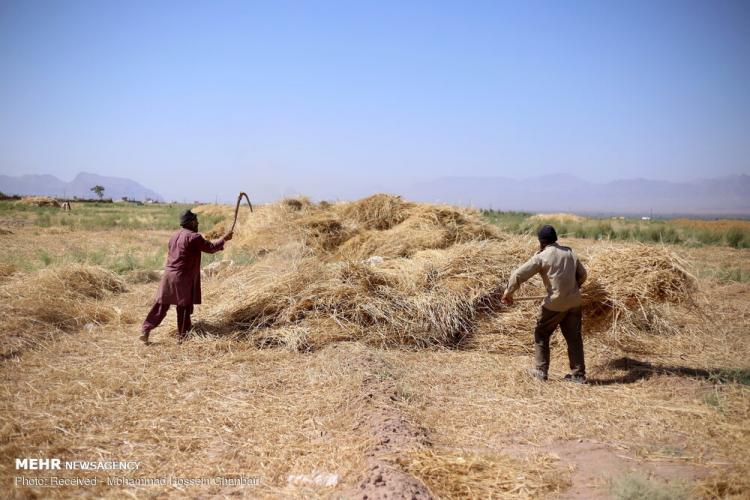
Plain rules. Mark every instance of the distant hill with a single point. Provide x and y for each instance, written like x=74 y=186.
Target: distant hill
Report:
x=723 y=196
x=566 y=193
x=49 y=185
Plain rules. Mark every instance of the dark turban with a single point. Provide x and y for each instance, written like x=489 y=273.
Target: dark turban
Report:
x=186 y=217
x=547 y=235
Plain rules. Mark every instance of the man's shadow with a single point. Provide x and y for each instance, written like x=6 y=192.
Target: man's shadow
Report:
x=636 y=370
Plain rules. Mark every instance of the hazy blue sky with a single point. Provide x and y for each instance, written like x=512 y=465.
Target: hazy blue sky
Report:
x=196 y=99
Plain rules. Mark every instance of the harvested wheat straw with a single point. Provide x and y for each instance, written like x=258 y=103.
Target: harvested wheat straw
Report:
x=214 y=210
x=426 y=227
x=627 y=295
x=217 y=231
x=56 y=299
x=451 y=474
x=439 y=284
x=381 y=225
x=638 y=273
x=630 y=282
x=435 y=297
x=379 y=211
x=296 y=204
x=559 y=217
x=39 y=201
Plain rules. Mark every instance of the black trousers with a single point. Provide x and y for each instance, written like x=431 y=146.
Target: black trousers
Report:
x=570 y=324
x=159 y=311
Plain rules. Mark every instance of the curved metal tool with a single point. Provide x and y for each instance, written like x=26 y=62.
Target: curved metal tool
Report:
x=237 y=207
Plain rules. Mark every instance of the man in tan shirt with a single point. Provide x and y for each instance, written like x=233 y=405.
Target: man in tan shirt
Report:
x=562 y=274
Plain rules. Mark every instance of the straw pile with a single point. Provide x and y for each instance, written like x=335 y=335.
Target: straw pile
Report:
x=631 y=291
x=433 y=298
x=53 y=300
x=214 y=210
x=39 y=201
x=217 y=231
x=381 y=225
x=450 y=474
x=389 y=272
x=379 y=211
x=558 y=217
x=424 y=227
x=297 y=203
x=6 y=270
x=628 y=285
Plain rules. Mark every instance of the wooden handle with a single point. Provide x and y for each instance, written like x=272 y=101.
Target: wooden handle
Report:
x=535 y=297
x=237 y=207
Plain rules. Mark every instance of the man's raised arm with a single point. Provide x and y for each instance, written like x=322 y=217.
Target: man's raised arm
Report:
x=207 y=246
x=523 y=273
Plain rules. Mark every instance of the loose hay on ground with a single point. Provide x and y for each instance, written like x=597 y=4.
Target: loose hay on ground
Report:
x=272 y=412
x=453 y=474
x=52 y=300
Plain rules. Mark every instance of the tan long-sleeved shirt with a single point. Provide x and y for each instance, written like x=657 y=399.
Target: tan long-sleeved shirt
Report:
x=562 y=274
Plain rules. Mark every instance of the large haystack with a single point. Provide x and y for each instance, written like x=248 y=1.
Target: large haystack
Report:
x=425 y=227
x=558 y=217
x=434 y=297
x=271 y=228
x=380 y=225
x=389 y=272
x=631 y=291
x=52 y=300
x=39 y=201
x=379 y=211
x=297 y=203
x=629 y=285
x=635 y=274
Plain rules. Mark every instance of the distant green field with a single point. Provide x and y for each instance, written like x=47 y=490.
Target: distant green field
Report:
x=733 y=233
x=100 y=216
x=118 y=250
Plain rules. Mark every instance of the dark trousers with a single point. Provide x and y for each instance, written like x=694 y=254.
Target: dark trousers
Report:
x=159 y=311
x=570 y=324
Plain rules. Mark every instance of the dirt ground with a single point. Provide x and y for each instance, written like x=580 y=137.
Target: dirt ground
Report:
x=356 y=421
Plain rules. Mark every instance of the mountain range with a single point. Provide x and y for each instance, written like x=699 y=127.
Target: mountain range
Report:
x=722 y=196
x=566 y=193
x=49 y=185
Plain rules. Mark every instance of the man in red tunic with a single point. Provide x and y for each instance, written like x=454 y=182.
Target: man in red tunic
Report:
x=181 y=283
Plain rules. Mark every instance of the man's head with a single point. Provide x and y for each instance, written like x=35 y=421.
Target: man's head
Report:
x=546 y=235
x=189 y=220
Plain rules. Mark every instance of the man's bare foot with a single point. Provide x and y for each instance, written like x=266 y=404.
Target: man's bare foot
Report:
x=144 y=337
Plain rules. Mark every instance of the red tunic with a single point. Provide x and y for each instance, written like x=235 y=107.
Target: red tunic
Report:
x=181 y=283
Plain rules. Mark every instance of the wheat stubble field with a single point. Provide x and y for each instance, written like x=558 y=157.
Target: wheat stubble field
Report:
x=360 y=349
